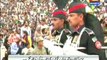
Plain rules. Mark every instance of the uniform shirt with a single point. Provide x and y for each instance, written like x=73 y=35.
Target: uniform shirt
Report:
x=61 y=37
x=38 y=51
x=87 y=42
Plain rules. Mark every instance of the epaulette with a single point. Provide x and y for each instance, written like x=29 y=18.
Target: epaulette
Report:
x=89 y=31
x=92 y=34
x=98 y=44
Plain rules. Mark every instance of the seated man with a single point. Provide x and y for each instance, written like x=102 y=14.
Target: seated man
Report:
x=40 y=49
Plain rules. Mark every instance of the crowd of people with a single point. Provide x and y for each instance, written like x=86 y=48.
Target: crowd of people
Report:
x=24 y=24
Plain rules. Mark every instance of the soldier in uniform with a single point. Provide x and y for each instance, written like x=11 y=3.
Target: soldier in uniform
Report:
x=59 y=21
x=87 y=32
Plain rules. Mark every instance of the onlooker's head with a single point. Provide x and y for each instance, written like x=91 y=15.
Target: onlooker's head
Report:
x=26 y=23
x=39 y=42
x=43 y=21
x=25 y=33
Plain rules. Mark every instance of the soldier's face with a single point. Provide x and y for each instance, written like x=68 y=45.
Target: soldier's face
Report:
x=73 y=19
x=57 y=23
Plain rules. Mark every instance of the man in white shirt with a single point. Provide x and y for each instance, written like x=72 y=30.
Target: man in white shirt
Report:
x=25 y=27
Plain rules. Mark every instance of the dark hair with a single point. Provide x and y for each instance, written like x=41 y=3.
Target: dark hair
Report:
x=1 y=35
x=25 y=32
x=43 y=30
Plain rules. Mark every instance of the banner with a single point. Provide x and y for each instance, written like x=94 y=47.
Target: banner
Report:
x=49 y=57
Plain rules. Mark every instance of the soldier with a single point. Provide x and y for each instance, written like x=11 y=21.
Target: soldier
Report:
x=40 y=49
x=59 y=20
x=87 y=30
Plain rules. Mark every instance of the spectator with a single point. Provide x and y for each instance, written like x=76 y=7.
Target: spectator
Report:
x=40 y=49
x=26 y=41
x=25 y=27
x=14 y=37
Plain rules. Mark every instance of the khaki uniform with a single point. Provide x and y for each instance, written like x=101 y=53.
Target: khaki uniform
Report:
x=39 y=51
